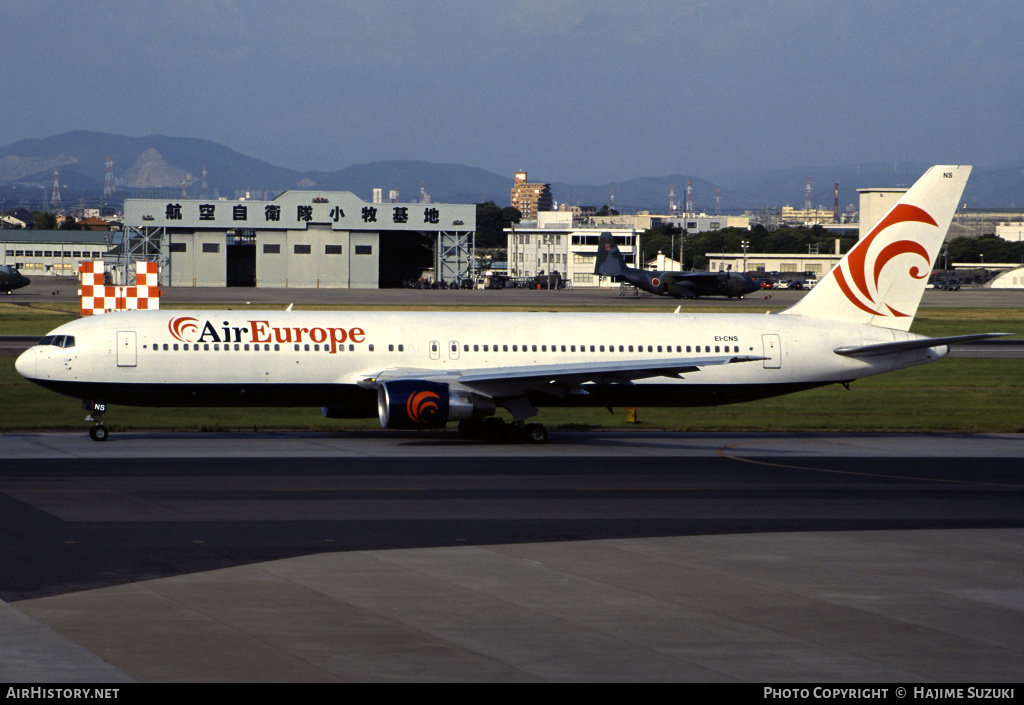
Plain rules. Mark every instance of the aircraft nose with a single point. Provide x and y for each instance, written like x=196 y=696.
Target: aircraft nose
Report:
x=26 y=364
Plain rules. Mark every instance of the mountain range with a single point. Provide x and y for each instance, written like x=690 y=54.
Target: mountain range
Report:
x=157 y=166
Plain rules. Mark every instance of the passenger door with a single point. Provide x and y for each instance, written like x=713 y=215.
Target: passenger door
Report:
x=126 y=348
x=772 y=351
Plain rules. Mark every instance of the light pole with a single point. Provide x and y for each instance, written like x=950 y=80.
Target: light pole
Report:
x=744 y=244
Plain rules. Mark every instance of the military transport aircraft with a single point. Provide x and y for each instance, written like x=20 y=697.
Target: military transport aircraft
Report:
x=425 y=369
x=682 y=285
x=11 y=278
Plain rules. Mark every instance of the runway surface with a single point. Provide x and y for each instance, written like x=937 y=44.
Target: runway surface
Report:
x=600 y=556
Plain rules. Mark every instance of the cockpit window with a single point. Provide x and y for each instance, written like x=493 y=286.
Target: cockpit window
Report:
x=60 y=341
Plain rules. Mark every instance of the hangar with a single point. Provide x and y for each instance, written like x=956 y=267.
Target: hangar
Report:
x=302 y=239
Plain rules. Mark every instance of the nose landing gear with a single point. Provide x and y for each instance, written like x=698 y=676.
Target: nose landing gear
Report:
x=98 y=432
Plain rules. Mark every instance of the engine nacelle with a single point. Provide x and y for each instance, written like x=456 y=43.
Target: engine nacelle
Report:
x=423 y=404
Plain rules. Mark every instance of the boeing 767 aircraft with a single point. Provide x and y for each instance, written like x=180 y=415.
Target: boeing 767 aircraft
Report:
x=426 y=369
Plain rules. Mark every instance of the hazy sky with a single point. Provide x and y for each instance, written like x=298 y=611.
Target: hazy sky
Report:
x=585 y=92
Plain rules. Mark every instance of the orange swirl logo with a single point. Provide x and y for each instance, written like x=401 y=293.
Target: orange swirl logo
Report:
x=858 y=278
x=421 y=406
x=183 y=328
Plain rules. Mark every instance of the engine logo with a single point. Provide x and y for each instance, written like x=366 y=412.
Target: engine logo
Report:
x=422 y=406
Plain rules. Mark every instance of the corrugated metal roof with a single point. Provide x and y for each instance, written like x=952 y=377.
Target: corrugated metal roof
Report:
x=71 y=237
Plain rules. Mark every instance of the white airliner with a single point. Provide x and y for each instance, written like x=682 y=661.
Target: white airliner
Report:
x=424 y=370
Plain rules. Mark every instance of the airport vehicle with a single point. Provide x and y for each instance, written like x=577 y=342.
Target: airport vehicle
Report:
x=682 y=285
x=426 y=369
x=11 y=278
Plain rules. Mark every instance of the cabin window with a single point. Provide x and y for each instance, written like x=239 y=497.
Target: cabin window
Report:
x=370 y=347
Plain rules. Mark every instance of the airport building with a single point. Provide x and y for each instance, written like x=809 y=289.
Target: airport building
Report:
x=555 y=244
x=52 y=252
x=302 y=239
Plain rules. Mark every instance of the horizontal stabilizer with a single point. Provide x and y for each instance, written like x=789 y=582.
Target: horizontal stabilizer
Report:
x=905 y=345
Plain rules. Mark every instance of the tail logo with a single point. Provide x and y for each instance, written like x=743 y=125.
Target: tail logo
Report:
x=422 y=406
x=183 y=328
x=860 y=273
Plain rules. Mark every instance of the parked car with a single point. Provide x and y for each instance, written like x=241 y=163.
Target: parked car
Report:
x=948 y=285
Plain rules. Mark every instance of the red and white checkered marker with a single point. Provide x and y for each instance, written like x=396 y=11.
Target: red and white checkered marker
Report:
x=97 y=298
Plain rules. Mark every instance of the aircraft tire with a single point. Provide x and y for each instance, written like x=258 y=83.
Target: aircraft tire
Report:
x=515 y=433
x=99 y=433
x=536 y=433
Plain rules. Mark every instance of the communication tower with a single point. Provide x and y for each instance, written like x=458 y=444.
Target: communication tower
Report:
x=611 y=205
x=835 y=209
x=183 y=184
x=671 y=200
x=807 y=197
x=108 y=178
x=689 y=197
x=55 y=198
x=718 y=202
x=204 y=192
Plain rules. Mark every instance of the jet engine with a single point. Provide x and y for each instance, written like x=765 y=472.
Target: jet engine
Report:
x=423 y=404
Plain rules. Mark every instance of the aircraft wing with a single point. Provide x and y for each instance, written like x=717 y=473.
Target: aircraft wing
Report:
x=509 y=381
x=904 y=345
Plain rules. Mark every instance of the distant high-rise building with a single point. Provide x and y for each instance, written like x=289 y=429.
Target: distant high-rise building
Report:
x=530 y=199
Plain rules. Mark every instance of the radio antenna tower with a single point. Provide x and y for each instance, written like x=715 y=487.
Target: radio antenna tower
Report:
x=718 y=201
x=204 y=192
x=183 y=184
x=671 y=200
x=807 y=198
x=108 y=178
x=55 y=198
x=611 y=205
x=689 y=197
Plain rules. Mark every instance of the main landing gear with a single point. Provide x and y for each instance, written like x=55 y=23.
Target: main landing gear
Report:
x=98 y=432
x=499 y=431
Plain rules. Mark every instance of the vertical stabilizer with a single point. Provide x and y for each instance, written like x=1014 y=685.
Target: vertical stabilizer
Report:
x=881 y=279
x=610 y=262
